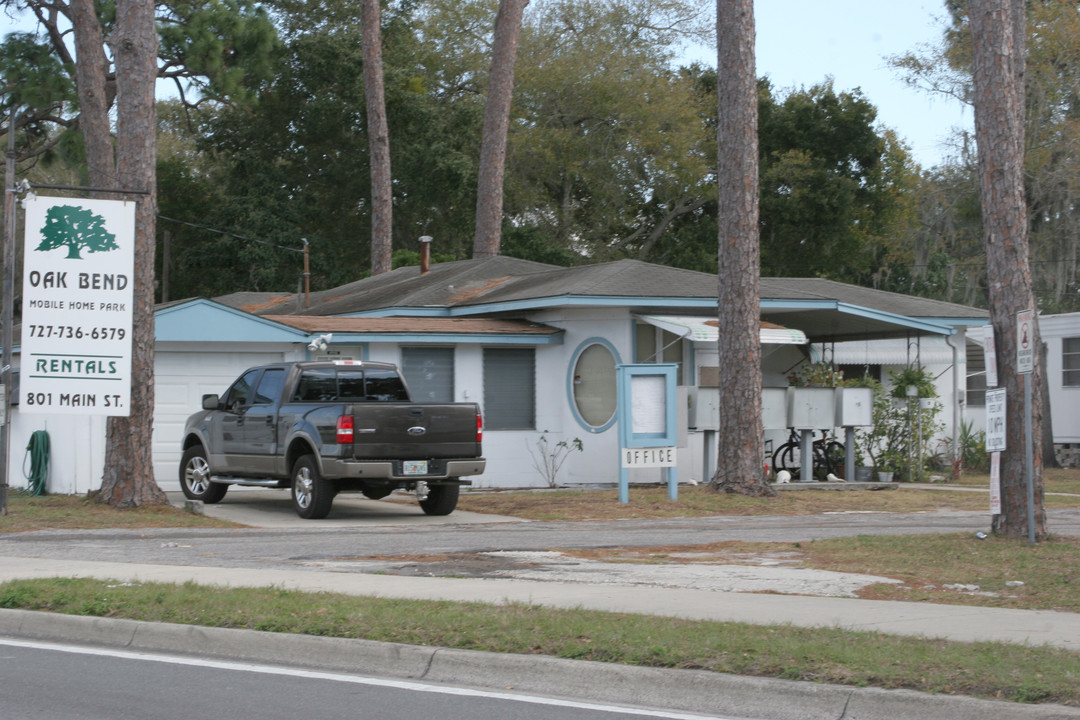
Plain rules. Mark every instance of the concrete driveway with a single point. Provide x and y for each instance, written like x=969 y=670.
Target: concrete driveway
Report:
x=272 y=508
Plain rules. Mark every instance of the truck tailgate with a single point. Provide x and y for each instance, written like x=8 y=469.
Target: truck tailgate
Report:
x=407 y=431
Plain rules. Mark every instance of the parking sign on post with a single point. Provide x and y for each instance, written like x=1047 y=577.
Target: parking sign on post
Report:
x=1025 y=341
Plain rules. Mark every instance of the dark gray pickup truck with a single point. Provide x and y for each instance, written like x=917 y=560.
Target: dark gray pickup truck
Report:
x=320 y=428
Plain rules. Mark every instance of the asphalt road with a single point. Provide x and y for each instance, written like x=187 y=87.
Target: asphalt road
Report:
x=61 y=681
x=311 y=543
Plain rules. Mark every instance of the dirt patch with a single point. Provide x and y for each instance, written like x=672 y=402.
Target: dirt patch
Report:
x=774 y=572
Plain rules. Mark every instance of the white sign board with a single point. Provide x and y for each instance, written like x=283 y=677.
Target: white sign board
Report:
x=648 y=457
x=648 y=404
x=1025 y=341
x=990 y=355
x=995 y=420
x=77 y=306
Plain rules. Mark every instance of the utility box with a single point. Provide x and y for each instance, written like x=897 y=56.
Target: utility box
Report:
x=854 y=407
x=774 y=408
x=810 y=408
x=704 y=406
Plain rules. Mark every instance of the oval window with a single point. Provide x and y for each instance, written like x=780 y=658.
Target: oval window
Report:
x=594 y=385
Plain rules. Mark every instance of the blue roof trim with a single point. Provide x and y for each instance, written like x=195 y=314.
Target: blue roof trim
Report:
x=341 y=338
x=933 y=326
x=923 y=324
x=966 y=322
x=203 y=320
x=539 y=304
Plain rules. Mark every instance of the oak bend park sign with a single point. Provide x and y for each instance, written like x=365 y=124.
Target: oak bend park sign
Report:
x=79 y=256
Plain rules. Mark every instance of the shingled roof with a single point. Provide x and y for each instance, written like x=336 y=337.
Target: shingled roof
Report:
x=503 y=284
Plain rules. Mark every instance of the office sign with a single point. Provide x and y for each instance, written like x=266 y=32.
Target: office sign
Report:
x=649 y=457
x=79 y=257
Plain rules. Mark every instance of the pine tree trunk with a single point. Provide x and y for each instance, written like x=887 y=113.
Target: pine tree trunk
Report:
x=489 y=190
x=378 y=140
x=740 y=442
x=129 y=468
x=998 y=40
x=94 y=100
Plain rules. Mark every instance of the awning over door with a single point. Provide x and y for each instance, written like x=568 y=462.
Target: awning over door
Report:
x=706 y=329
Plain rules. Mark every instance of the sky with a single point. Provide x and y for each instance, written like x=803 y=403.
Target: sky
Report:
x=800 y=42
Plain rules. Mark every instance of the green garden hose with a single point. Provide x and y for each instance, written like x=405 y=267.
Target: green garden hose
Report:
x=38 y=452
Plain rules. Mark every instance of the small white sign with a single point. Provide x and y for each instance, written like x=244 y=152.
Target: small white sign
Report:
x=995 y=483
x=648 y=457
x=990 y=355
x=648 y=404
x=78 y=287
x=995 y=420
x=1025 y=341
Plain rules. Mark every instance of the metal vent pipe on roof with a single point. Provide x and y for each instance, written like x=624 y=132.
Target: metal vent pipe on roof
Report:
x=425 y=254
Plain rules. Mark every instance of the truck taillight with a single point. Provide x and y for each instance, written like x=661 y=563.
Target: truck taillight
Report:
x=345 y=429
x=479 y=428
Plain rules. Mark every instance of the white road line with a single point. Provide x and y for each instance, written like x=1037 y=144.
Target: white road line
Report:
x=355 y=679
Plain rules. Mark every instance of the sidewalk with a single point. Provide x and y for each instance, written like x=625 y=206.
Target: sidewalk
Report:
x=951 y=622
x=710 y=694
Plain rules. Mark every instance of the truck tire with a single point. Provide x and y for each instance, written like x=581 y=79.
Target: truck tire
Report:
x=312 y=494
x=195 y=477
x=441 y=499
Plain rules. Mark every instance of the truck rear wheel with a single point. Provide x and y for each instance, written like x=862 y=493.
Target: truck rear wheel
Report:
x=195 y=477
x=441 y=499
x=312 y=494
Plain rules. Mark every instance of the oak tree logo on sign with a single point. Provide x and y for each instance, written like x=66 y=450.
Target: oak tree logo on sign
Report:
x=77 y=229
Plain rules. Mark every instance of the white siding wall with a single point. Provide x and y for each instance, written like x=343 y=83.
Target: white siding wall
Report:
x=1064 y=401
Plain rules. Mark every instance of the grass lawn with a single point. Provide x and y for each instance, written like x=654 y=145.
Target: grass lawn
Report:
x=934 y=568
x=992 y=670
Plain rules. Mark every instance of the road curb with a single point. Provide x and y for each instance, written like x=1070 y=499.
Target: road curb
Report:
x=685 y=690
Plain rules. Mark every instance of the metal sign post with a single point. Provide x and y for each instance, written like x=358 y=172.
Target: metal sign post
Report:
x=1025 y=364
x=995 y=443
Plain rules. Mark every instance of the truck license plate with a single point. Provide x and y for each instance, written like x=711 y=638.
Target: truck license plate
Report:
x=416 y=467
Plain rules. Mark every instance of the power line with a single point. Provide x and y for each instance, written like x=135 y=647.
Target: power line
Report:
x=231 y=234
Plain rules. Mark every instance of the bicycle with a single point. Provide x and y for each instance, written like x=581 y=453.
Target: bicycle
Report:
x=828 y=456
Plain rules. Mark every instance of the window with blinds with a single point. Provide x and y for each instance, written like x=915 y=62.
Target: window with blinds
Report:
x=509 y=389
x=429 y=371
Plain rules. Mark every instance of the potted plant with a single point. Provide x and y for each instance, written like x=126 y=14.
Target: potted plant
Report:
x=891 y=442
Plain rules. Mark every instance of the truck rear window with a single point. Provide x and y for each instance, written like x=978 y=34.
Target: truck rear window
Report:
x=350 y=385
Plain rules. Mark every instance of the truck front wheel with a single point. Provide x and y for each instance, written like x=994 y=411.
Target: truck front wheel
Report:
x=441 y=499
x=195 y=477
x=312 y=494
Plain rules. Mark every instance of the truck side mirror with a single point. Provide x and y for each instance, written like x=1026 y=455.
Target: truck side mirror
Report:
x=211 y=402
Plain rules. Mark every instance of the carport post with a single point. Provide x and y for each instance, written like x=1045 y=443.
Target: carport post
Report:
x=849 y=453
x=806 y=454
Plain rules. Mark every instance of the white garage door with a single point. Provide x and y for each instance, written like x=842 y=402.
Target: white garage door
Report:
x=180 y=381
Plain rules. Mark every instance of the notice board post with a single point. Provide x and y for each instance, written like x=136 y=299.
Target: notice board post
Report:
x=647 y=423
